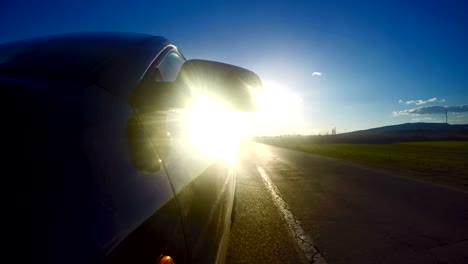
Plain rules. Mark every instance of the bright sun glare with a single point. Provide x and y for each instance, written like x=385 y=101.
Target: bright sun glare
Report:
x=279 y=110
x=213 y=130
x=216 y=132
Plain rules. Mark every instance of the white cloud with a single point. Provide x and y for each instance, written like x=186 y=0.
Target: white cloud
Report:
x=400 y=101
x=435 y=109
x=457 y=108
x=442 y=100
x=420 y=102
x=316 y=74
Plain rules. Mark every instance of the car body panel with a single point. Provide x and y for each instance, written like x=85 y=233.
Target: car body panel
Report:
x=86 y=182
x=204 y=187
x=99 y=181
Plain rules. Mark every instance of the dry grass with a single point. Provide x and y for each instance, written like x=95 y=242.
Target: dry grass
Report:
x=444 y=162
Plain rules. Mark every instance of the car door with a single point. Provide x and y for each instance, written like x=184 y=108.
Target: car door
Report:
x=204 y=187
x=91 y=187
x=147 y=196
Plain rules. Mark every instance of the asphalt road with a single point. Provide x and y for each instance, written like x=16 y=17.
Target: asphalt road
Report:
x=294 y=207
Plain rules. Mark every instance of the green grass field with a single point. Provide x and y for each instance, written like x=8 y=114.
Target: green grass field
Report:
x=443 y=162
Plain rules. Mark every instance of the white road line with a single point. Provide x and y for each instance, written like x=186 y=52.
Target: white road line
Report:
x=303 y=241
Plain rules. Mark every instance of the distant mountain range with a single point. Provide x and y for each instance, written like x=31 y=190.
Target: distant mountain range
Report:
x=408 y=132
x=400 y=133
x=415 y=128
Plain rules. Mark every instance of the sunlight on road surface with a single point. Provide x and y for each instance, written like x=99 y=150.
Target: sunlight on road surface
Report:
x=302 y=240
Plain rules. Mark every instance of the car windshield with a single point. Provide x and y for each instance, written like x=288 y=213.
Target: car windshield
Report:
x=72 y=57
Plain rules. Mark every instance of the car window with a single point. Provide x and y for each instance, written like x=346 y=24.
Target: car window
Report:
x=170 y=66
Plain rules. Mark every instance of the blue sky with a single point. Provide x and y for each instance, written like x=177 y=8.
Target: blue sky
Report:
x=371 y=54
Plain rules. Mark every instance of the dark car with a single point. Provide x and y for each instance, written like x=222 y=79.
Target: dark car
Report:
x=107 y=164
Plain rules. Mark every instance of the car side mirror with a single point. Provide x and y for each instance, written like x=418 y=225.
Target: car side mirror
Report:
x=230 y=85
